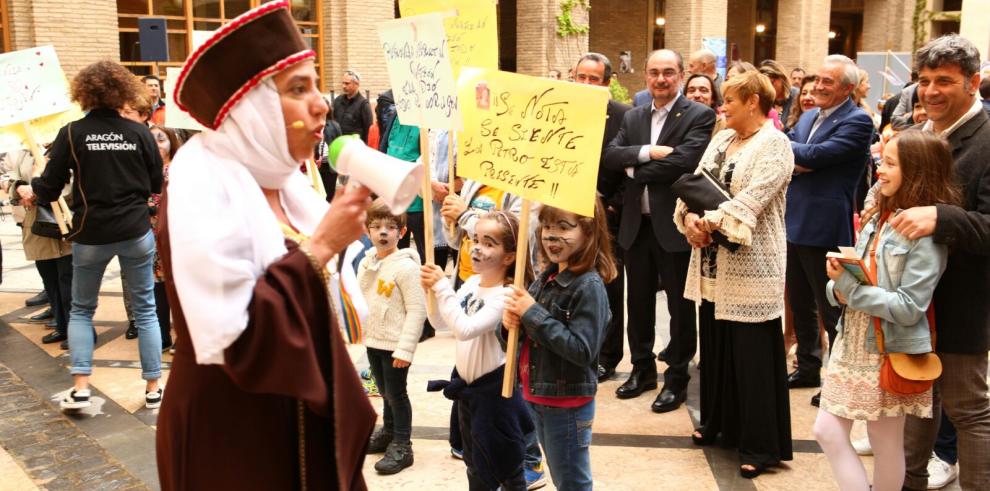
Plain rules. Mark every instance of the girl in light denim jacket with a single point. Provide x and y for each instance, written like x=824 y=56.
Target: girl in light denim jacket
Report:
x=916 y=171
x=563 y=316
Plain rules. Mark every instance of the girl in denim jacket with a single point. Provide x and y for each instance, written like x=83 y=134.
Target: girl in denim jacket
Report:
x=916 y=171
x=563 y=317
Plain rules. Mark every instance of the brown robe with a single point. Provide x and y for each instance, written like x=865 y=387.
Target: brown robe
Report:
x=235 y=426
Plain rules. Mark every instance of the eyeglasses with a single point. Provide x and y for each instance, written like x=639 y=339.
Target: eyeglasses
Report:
x=668 y=73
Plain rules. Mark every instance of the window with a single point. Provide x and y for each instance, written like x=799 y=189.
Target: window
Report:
x=188 y=21
x=4 y=28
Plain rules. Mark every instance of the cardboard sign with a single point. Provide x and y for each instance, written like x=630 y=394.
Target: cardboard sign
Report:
x=44 y=128
x=472 y=33
x=174 y=116
x=32 y=85
x=418 y=64
x=537 y=138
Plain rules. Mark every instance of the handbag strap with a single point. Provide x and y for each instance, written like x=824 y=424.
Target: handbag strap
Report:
x=871 y=272
x=78 y=179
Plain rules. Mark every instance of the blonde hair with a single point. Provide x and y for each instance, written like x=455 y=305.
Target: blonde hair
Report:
x=745 y=85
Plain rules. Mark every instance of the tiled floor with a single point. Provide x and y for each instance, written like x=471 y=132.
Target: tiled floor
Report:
x=632 y=449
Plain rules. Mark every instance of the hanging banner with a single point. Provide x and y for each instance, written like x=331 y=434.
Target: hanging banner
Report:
x=32 y=85
x=418 y=63
x=534 y=137
x=472 y=33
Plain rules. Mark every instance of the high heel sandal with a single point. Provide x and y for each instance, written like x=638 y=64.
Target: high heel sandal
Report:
x=756 y=470
x=698 y=438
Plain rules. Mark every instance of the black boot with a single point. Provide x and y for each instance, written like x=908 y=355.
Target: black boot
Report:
x=398 y=456
x=379 y=441
x=131 y=331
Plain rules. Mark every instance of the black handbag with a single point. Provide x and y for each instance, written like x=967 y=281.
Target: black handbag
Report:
x=702 y=192
x=44 y=223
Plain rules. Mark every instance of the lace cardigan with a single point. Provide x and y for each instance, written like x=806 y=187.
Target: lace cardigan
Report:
x=749 y=285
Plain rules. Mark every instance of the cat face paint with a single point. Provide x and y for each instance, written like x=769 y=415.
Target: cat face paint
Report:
x=488 y=251
x=385 y=234
x=561 y=239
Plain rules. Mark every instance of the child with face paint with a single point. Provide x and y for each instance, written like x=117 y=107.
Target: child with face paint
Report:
x=492 y=427
x=389 y=280
x=563 y=316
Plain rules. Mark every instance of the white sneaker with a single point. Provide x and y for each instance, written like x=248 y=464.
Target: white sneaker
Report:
x=153 y=400
x=75 y=399
x=940 y=473
x=862 y=446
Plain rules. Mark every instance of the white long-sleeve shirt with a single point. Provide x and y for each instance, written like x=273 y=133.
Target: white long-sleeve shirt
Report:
x=473 y=314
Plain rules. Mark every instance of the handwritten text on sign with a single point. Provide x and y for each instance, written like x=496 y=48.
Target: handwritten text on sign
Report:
x=533 y=137
x=472 y=33
x=32 y=85
x=418 y=64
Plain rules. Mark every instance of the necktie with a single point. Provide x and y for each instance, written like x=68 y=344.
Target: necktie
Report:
x=818 y=122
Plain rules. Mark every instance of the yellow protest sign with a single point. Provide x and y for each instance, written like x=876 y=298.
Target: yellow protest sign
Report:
x=472 y=34
x=418 y=65
x=537 y=138
x=44 y=128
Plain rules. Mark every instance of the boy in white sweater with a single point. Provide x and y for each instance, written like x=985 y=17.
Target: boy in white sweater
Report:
x=389 y=280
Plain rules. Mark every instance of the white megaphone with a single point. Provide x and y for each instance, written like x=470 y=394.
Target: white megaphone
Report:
x=396 y=181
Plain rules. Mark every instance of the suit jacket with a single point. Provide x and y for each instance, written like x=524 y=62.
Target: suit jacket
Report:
x=820 y=203
x=642 y=98
x=962 y=313
x=610 y=180
x=688 y=129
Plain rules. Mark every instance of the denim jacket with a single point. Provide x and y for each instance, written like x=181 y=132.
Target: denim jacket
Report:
x=907 y=272
x=567 y=326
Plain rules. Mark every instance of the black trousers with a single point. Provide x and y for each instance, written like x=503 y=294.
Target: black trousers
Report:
x=56 y=276
x=647 y=261
x=164 y=315
x=391 y=382
x=806 y=280
x=611 y=352
x=414 y=222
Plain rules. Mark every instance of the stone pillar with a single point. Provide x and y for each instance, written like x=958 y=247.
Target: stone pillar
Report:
x=538 y=47
x=888 y=24
x=975 y=25
x=350 y=41
x=636 y=35
x=82 y=31
x=802 y=33
x=740 y=29
x=690 y=20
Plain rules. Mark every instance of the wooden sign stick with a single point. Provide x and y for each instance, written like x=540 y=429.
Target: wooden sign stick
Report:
x=427 y=194
x=512 y=347
x=451 y=178
x=59 y=208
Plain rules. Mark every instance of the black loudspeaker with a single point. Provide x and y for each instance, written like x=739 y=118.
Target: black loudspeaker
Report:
x=153 y=35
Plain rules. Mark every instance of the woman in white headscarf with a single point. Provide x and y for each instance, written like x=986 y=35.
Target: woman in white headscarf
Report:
x=262 y=393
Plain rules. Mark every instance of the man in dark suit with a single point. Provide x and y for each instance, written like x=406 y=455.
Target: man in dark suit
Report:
x=831 y=146
x=948 y=68
x=595 y=69
x=657 y=144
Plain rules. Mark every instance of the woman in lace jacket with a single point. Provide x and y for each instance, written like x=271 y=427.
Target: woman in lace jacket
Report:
x=741 y=293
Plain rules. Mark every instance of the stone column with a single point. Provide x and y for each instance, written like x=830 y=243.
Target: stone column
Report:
x=690 y=20
x=802 y=33
x=975 y=25
x=888 y=24
x=350 y=41
x=538 y=47
x=82 y=31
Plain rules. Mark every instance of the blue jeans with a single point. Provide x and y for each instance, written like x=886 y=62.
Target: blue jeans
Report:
x=89 y=262
x=565 y=434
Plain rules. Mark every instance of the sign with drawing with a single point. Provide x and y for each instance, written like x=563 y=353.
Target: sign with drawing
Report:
x=32 y=85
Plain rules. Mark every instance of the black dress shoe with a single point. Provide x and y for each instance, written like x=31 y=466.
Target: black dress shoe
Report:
x=639 y=381
x=40 y=299
x=132 y=331
x=816 y=400
x=799 y=380
x=52 y=324
x=47 y=314
x=64 y=344
x=54 y=337
x=753 y=472
x=662 y=355
x=605 y=373
x=668 y=400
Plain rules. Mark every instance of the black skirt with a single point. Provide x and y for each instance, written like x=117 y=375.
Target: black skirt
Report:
x=744 y=396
